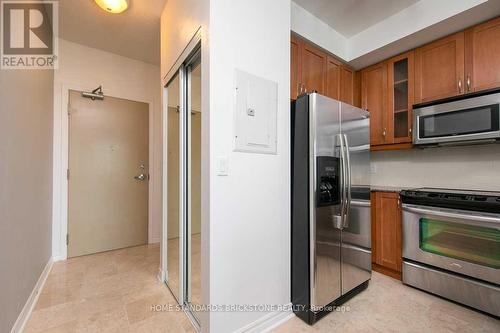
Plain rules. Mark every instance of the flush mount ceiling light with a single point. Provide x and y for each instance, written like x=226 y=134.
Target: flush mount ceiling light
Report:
x=113 y=6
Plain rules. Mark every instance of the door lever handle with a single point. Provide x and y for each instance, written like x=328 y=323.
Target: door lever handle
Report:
x=141 y=177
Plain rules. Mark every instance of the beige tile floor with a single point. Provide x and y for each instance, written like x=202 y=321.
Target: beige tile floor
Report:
x=107 y=292
x=389 y=306
x=114 y=291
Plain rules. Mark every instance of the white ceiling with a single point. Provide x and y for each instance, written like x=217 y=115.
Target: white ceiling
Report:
x=381 y=35
x=134 y=33
x=350 y=17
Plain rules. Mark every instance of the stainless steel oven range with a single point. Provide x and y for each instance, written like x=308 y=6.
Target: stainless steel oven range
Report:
x=451 y=245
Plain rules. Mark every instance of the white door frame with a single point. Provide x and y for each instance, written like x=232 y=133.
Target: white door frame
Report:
x=61 y=162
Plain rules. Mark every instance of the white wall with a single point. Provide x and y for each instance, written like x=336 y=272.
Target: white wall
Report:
x=312 y=28
x=179 y=22
x=250 y=208
x=85 y=68
x=246 y=215
x=423 y=15
x=473 y=167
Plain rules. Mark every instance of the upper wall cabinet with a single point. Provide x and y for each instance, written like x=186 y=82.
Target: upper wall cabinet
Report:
x=400 y=79
x=347 y=85
x=295 y=86
x=458 y=64
x=312 y=69
x=387 y=93
x=482 y=57
x=308 y=68
x=439 y=69
x=333 y=68
x=374 y=100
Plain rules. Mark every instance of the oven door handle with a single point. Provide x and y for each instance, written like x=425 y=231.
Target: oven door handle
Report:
x=360 y=203
x=463 y=216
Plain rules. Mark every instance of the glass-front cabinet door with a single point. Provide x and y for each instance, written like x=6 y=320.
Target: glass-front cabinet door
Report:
x=400 y=92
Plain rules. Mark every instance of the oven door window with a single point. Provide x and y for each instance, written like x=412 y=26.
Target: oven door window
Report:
x=478 y=245
x=461 y=122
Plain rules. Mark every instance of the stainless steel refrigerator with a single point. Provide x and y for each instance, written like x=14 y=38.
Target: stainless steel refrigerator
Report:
x=331 y=233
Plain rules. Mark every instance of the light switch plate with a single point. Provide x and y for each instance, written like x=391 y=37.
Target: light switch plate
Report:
x=255 y=114
x=222 y=166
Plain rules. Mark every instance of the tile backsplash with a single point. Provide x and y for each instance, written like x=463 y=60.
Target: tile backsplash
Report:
x=469 y=167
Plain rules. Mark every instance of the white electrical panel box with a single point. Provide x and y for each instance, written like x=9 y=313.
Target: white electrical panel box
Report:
x=255 y=114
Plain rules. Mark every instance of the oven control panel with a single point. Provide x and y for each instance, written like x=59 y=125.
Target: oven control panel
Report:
x=456 y=199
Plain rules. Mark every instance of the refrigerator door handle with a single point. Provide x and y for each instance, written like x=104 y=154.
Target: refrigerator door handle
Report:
x=347 y=181
x=343 y=176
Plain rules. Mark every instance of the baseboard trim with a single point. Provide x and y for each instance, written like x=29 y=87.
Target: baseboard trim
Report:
x=269 y=321
x=58 y=258
x=386 y=271
x=154 y=240
x=23 y=317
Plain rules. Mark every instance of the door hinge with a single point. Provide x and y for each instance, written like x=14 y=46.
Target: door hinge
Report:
x=67 y=239
x=67 y=174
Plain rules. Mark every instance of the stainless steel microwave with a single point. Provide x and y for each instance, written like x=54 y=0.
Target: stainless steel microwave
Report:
x=470 y=120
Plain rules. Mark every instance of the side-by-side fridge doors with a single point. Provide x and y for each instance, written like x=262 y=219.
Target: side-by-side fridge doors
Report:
x=356 y=232
x=326 y=204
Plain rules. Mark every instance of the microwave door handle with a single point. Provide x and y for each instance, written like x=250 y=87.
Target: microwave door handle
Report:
x=347 y=182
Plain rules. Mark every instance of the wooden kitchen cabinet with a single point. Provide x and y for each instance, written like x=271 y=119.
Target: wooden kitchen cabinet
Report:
x=312 y=69
x=387 y=93
x=439 y=69
x=386 y=233
x=333 y=70
x=347 y=85
x=357 y=89
x=294 y=67
x=374 y=99
x=400 y=80
x=482 y=56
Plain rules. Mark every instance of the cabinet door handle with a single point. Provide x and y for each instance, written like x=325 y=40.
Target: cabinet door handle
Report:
x=409 y=131
x=384 y=133
x=468 y=82
x=305 y=89
x=299 y=88
x=459 y=86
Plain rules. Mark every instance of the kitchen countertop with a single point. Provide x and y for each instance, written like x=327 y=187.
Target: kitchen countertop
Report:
x=383 y=188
